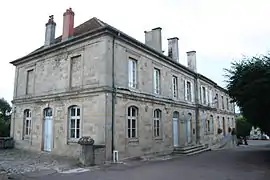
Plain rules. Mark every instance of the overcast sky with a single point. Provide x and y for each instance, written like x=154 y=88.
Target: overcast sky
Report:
x=219 y=30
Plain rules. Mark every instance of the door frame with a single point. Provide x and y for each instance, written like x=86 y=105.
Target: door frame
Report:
x=45 y=116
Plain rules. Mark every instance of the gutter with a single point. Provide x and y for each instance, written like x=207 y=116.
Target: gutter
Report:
x=113 y=94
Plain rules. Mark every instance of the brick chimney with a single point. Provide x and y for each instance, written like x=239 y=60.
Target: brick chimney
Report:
x=173 y=51
x=68 y=24
x=153 y=39
x=50 y=31
x=191 y=60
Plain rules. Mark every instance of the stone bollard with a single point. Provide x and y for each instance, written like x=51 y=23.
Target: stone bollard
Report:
x=87 y=154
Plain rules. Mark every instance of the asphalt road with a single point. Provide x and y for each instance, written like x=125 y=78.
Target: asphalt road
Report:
x=247 y=162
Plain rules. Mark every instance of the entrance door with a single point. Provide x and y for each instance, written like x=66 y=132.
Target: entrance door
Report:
x=175 y=129
x=48 y=129
x=189 y=128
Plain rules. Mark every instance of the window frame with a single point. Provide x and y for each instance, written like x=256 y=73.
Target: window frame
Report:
x=157 y=116
x=132 y=73
x=175 y=86
x=157 y=81
x=130 y=119
x=27 y=123
x=74 y=117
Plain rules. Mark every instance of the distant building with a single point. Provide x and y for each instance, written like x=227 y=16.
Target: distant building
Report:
x=97 y=81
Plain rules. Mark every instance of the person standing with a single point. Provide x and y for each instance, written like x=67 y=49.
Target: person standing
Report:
x=234 y=139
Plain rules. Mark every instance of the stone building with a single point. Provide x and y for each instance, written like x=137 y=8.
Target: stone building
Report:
x=97 y=81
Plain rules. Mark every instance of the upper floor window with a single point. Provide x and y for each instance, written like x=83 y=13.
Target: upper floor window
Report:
x=132 y=120
x=157 y=119
x=204 y=95
x=217 y=100
x=156 y=81
x=132 y=73
x=30 y=81
x=227 y=100
x=188 y=91
x=27 y=121
x=74 y=122
x=222 y=102
x=174 y=87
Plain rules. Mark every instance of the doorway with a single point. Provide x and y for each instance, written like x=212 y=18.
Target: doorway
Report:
x=48 y=130
x=175 y=129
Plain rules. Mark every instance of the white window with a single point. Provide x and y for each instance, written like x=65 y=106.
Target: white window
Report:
x=188 y=91
x=222 y=101
x=203 y=95
x=132 y=122
x=227 y=100
x=174 y=87
x=157 y=119
x=210 y=98
x=27 y=123
x=156 y=81
x=74 y=122
x=132 y=73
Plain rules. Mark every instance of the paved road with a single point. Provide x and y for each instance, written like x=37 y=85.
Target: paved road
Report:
x=247 y=163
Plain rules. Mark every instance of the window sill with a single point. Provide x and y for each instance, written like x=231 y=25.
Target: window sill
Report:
x=158 y=138
x=133 y=140
x=73 y=141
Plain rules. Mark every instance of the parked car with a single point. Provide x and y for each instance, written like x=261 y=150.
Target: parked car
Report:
x=265 y=137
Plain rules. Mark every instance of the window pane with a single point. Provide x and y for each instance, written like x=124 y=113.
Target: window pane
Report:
x=29 y=131
x=26 y=131
x=133 y=112
x=78 y=123
x=155 y=125
x=157 y=131
x=72 y=133
x=78 y=112
x=26 y=123
x=133 y=123
x=129 y=110
x=78 y=133
x=72 y=111
x=72 y=123
x=158 y=123
x=133 y=133
x=129 y=133
x=129 y=123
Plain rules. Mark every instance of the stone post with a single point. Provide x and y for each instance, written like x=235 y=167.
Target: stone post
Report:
x=87 y=154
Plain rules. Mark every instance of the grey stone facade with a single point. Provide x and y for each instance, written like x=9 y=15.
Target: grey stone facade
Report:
x=79 y=72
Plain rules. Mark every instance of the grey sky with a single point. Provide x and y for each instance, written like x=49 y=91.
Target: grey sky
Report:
x=219 y=30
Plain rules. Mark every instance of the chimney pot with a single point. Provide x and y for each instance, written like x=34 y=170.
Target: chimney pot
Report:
x=173 y=51
x=50 y=31
x=153 y=39
x=68 y=24
x=191 y=60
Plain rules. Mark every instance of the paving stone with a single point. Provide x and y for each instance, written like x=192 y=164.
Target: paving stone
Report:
x=16 y=162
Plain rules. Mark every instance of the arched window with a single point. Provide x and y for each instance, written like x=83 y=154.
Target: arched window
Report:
x=27 y=121
x=132 y=121
x=156 y=123
x=176 y=114
x=74 y=122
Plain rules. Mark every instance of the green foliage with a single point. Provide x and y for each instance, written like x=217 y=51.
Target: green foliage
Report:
x=243 y=127
x=4 y=119
x=249 y=86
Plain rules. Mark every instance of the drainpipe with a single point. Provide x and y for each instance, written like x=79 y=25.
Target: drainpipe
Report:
x=198 y=131
x=113 y=94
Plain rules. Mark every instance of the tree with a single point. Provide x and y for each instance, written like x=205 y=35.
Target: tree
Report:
x=4 y=118
x=243 y=127
x=249 y=86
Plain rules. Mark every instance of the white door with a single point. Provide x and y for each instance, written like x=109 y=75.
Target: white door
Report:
x=189 y=130
x=175 y=132
x=48 y=130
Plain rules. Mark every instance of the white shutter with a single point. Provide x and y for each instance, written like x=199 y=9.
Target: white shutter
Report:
x=185 y=88
x=210 y=98
x=192 y=92
x=206 y=95
x=201 y=94
x=129 y=73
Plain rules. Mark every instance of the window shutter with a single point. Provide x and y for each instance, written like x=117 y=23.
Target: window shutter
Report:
x=192 y=92
x=210 y=97
x=185 y=88
x=206 y=96
x=155 y=80
x=201 y=95
x=129 y=73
